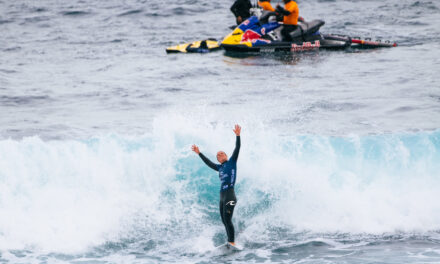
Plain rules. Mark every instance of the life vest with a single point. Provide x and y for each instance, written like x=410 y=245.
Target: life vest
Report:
x=291 y=19
x=266 y=6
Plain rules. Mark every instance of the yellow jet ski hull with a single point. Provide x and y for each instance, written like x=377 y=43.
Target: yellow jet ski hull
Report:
x=201 y=46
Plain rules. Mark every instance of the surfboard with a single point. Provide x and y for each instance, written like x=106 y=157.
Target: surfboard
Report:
x=230 y=247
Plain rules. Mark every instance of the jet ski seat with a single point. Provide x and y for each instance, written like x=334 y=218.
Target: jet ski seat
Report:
x=307 y=28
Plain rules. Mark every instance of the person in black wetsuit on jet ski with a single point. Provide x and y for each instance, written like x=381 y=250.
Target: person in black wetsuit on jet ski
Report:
x=227 y=173
x=241 y=10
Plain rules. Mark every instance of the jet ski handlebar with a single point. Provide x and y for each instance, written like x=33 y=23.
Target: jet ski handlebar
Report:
x=264 y=18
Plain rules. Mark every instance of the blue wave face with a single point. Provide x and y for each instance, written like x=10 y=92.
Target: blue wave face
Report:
x=72 y=195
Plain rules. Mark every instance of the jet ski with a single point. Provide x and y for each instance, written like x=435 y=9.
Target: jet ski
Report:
x=260 y=34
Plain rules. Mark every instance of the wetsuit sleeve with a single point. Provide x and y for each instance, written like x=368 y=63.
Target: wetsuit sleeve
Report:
x=237 y=148
x=282 y=11
x=210 y=164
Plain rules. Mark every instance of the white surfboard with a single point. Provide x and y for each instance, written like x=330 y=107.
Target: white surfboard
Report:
x=230 y=247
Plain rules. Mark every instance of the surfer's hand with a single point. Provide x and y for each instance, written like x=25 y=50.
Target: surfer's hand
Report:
x=195 y=149
x=239 y=20
x=237 y=130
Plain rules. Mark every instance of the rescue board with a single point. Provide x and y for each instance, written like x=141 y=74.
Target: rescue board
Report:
x=201 y=46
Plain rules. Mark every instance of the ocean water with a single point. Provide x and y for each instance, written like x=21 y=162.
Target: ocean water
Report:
x=340 y=157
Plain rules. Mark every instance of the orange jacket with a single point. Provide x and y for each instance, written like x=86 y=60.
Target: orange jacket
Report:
x=266 y=5
x=291 y=19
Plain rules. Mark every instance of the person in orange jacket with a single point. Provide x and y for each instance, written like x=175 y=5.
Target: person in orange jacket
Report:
x=291 y=17
x=265 y=4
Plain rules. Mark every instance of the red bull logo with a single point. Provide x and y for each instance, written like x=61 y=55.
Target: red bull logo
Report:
x=306 y=46
x=250 y=35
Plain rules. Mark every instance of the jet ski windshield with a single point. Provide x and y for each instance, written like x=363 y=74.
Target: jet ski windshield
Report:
x=254 y=24
x=265 y=16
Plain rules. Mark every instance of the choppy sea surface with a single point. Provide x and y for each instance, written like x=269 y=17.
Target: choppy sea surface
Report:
x=340 y=158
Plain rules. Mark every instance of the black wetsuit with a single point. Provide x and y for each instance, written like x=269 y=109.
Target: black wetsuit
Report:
x=227 y=174
x=241 y=8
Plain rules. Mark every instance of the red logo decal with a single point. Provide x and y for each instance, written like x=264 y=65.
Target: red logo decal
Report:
x=250 y=35
x=305 y=46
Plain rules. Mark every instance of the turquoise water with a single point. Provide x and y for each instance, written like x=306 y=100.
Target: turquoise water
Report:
x=303 y=198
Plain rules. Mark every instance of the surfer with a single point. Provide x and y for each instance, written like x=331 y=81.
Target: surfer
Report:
x=227 y=173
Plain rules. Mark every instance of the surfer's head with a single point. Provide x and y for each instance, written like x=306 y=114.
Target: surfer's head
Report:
x=221 y=156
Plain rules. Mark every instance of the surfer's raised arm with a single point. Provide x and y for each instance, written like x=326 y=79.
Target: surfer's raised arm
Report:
x=237 y=131
x=208 y=162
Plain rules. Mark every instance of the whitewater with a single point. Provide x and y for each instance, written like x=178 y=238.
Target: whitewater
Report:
x=340 y=152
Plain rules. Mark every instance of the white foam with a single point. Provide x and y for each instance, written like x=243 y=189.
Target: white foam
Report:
x=68 y=196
